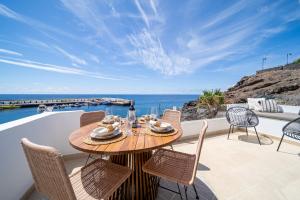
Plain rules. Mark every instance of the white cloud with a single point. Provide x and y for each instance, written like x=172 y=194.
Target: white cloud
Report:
x=54 y=68
x=5 y=51
x=36 y=43
x=94 y=58
x=143 y=14
x=226 y=13
x=88 y=14
x=149 y=49
x=153 y=6
x=5 y=11
x=70 y=56
x=134 y=37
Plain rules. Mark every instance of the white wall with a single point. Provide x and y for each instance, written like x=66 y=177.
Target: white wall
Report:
x=51 y=129
x=290 y=109
x=194 y=127
x=54 y=128
x=273 y=126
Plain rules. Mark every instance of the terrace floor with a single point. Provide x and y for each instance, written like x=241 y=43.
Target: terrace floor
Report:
x=238 y=168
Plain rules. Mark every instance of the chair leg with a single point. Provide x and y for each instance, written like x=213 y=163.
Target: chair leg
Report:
x=197 y=197
x=172 y=147
x=86 y=162
x=247 y=131
x=229 y=132
x=257 y=136
x=179 y=191
x=280 y=142
x=185 y=191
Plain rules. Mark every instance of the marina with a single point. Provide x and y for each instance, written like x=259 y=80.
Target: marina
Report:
x=61 y=103
x=143 y=103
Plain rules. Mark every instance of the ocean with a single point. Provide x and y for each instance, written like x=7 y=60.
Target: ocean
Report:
x=143 y=104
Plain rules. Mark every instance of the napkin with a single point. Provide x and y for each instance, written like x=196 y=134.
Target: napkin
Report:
x=110 y=119
x=105 y=131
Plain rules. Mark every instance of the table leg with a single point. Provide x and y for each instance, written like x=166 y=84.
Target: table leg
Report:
x=139 y=185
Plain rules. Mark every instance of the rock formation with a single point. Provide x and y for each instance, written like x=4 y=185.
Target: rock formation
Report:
x=281 y=83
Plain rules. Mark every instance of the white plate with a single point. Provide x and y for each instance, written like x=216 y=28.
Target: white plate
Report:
x=101 y=133
x=164 y=128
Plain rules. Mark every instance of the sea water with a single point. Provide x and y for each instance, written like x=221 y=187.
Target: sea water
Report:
x=143 y=104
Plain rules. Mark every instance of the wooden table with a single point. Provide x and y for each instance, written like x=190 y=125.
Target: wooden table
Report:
x=133 y=151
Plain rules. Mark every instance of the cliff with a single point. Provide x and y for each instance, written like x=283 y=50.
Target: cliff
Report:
x=281 y=83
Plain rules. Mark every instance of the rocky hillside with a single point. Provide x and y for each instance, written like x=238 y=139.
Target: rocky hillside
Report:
x=281 y=83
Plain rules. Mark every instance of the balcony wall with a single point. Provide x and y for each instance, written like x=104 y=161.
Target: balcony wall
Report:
x=51 y=129
x=48 y=129
x=54 y=128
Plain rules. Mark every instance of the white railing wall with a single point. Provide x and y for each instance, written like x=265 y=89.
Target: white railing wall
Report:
x=54 y=128
x=51 y=129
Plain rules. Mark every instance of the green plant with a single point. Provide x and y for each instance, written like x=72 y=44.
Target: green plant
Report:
x=297 y=61
x=212 y=99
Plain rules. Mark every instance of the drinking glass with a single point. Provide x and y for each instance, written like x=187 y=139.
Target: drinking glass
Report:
x=108 y=111
x=131 y=118
x=154 y=112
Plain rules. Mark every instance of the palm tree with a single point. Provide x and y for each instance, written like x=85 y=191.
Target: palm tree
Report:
x=213 y=99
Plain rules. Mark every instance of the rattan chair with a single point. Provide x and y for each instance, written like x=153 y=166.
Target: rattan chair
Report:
x=172 y=116
x=176 y=166
x=98 y=180
x=88 y=118
x=241 y=117
x=91 y=117
x=292 y=130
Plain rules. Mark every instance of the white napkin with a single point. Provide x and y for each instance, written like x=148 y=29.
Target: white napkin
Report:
x=102 y=131
x=163 y=126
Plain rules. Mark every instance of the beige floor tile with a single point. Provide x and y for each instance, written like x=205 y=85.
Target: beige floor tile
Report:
x=235 y=169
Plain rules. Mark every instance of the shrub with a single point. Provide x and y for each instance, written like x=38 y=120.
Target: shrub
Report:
x=212 y=98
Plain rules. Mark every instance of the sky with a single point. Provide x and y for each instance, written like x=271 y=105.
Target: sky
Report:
x=141 y=46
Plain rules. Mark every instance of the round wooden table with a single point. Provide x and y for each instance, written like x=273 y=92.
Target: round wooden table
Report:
x=133 y=152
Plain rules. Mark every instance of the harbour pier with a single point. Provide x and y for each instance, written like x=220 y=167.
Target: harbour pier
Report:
x=66 y=102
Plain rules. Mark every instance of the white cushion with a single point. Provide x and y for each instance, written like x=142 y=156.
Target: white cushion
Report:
x=270 y=105
x=254 y=103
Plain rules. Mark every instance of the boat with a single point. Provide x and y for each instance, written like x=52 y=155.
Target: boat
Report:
x=76 y=105
x=43 y=108
x=8 y=107
x=106 y=103
x=93 y=103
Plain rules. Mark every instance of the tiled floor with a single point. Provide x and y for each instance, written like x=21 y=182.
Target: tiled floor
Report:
x=237 y=169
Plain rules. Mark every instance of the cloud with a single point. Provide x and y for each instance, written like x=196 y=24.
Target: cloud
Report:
x=54 y=68
x=5 y=51
x=36 y=43
x=131 y=62
x=94 y=58
x=226 y=13
x=70 y=56
x=223 y=69
x=89 y=15
x=5 y=11
x=149 y=49
x=143 y=14
x=130 y=35
x=153 y=6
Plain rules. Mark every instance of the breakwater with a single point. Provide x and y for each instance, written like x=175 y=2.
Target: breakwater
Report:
x=66 y=101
